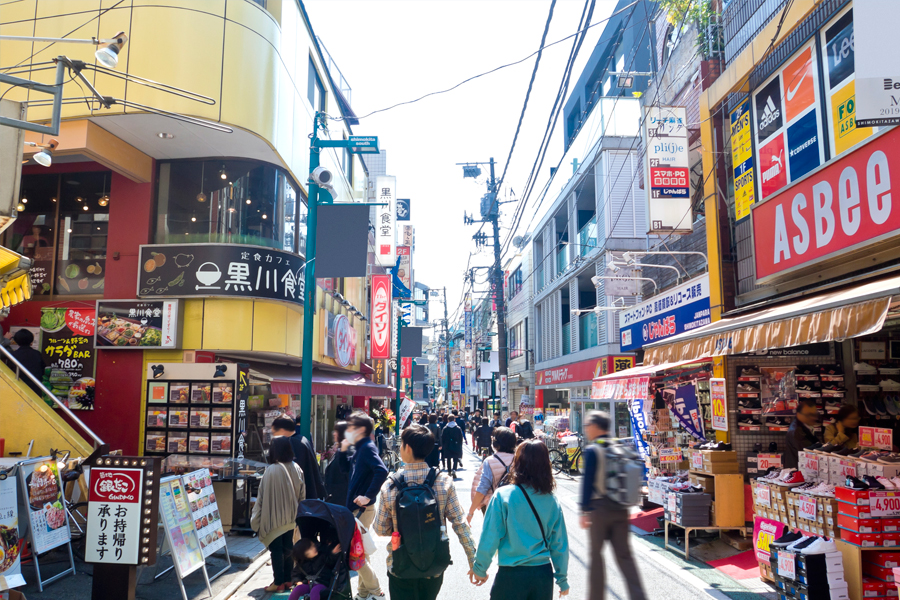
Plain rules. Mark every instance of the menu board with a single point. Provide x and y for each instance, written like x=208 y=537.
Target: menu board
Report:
x=10 y=563
x=67 y=346
x=205 y=511
x=46 y=513
x=137 y=324
x=190 y=417
x=175 y=510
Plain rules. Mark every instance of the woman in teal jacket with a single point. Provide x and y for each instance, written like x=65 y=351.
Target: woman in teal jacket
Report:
x=524 y=526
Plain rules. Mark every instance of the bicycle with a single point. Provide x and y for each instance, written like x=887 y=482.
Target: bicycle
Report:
x=564 y=463
x=389 y=455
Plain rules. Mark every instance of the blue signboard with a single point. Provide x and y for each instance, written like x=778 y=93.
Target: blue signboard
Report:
x=803 y=145
x=470 y=320
x=670 y=313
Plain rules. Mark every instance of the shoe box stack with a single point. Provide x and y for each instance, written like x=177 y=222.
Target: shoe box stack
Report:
x=880 y=571
x=856 y=522
x=688 y=509
x=715 y=462
x=879 y=390
x=812 y=514
x=808 y=568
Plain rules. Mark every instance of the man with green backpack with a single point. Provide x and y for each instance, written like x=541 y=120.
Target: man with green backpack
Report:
x=613 y=475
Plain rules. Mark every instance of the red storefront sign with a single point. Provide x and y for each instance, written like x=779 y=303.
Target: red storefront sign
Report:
x=585 y=370
x=381 y=316
x=843 y=207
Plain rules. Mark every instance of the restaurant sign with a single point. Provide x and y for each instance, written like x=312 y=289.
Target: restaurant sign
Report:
x=842 y=209
x=220 y=270
x=675 y=311
x=137 y=324
x=585 y=370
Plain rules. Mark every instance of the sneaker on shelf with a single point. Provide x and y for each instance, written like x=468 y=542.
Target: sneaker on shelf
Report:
x=721 y=447
x=749 y=421
x=814 y=447
x=859 y=453
x=787 y=539
x=745 y=388
x=889 y=459
x=749 y=372
x=770 y=473
x=792 y=480
x=896 y=481
x=864 y=368
x=887 y=483
x=806 y=486
x=865 y=406
x=773 y=447
x=820 y=546
x=889 y=384
x=872 y=455
x=816 y=489
x=852 y=483
x=829 y=448
x=757 y=448
x=843 y=452
x=831 y=370
x=749 y=403
x=804 y=387
x=832 y=404
x=879 y=407
x=801 y=543
x=776 y=475
x=873 y=483
x=833 y=387
x=890 y=406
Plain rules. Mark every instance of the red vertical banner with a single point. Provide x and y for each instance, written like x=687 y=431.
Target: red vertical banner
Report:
x=381 y=316
x=406 y=368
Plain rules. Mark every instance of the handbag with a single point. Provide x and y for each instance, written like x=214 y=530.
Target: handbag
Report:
x=536 y=516
x=357 y=554
x=368 y=542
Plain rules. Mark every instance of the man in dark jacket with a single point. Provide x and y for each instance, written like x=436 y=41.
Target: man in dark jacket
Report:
x=513 y=417
x=496 y=421
x=800 y=434
x=303 y=456
x=29 y=358
x=366 y=476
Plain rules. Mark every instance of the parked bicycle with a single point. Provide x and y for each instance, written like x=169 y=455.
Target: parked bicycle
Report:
x=390 y=455
x=563 y=462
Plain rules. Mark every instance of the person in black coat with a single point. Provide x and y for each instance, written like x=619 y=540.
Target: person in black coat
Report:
x=452 y=445
x=28 y=357
x=801 y=434
x=304 y=456
x=337 y=473
x=434 y=458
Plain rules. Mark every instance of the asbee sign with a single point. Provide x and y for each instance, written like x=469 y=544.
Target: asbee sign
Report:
x=680 y=309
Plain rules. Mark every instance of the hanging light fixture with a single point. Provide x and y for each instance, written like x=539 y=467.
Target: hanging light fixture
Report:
x=20 y=207
x=108 y=55
x=222 y=173
x=201 y=197
x=104 y=199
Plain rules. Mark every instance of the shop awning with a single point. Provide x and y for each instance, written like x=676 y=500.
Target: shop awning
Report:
x=837 y=315
x=15 y=283
x=633 y=382
x=286 y=380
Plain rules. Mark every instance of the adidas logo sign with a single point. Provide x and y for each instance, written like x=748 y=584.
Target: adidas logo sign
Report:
x=770 y=113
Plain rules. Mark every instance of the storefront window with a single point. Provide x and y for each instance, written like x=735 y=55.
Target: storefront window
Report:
x=238 y=202
x=63 y=227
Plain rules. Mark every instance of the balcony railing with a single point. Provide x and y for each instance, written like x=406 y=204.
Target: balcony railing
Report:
x=561 y=260
x=587 y=237
x=587 y=331
x=567 y=339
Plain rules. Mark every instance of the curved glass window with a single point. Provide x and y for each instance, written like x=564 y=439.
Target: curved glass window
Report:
x=231 y=201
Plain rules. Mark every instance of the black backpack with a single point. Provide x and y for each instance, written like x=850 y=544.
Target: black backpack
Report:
x=422 y=552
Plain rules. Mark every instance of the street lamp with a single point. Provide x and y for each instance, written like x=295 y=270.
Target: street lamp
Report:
x=44 y=157
x=107 y=55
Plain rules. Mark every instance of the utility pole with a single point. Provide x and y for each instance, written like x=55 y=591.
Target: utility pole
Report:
x=447 y=342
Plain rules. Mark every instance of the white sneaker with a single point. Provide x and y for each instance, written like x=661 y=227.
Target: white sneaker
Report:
x=790 y=548
x=896 y=482
x=379 y=596
x=887 y=483
x=864 y=368
x=889 y=384
x=783 y=475
x=820 y=546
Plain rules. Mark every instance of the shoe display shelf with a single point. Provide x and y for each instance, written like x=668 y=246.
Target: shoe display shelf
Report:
x=809 y=577
x=865 y=570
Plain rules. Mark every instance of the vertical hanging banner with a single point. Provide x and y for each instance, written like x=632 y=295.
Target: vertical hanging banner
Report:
x=667 y=170
x=386 y=221
x=404 y=270
x=742 y=160
x=638 y=425
x=504 y=391
x=405 y=367
x=381 y=316
x=683 y=404
x=719 y=401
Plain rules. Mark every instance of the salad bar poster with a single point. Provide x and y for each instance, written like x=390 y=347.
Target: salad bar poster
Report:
x=216 y=270
x=67 y=346
x=10 y=546
x=137 y=324
x=46 y=513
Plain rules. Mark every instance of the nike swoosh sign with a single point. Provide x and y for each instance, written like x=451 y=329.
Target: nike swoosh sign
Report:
x=793 y=91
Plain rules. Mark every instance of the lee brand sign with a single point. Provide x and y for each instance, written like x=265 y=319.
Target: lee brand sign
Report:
x=841 y=209
x=381 y=316
x=680 y=309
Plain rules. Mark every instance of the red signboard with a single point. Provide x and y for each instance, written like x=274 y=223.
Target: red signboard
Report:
x=381 y=316
x=406 y=368
x=585 y=370
x=845 y=206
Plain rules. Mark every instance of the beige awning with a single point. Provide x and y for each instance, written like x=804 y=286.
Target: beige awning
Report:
x=828 y=317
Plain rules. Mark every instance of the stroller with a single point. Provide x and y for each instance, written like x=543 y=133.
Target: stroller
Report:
x=323 y=521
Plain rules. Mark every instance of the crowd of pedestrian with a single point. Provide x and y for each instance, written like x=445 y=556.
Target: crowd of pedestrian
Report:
x=524 y=526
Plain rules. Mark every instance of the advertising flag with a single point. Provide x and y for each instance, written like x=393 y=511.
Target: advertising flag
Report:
x=386 y=221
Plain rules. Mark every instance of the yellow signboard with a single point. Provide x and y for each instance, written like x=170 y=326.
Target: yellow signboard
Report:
x=742 y=160
x=843 y=119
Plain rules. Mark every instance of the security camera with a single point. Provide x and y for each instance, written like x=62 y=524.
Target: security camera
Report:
x=322 y=177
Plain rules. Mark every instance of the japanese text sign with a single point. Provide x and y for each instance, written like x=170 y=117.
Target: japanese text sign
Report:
x=10 y=564
x=381 y=316
x=670 y=455
x=220 y=270
x=742 y=160
x=67 y=344
x=114 y=516
x=675 y=311
x=719 y=400
x=764 y=462
x=385 y=221
x=697 y=461
x=667 y=169
x=137 y=324
x=875 y=437
x=884 y=504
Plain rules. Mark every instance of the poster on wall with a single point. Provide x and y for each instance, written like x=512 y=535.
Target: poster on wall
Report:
x=137 y=324
x=719 y=401
x=878 y=78
x=67 y=346
x=787 y=124
x=667 y=170
x=175 y=510
x=10 y=559
x=742 y=160
x=205 y=511
x=44 y=501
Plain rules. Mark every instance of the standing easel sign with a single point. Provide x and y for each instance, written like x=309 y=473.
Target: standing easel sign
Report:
x=48 y=525
x=205 y=511
x=10 y=561
x=181 y=535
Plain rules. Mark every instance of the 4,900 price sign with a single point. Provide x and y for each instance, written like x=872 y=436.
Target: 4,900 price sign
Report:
x=875 y=437
x=884 y=504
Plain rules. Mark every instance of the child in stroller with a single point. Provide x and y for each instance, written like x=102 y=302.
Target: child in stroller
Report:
x=315 y=562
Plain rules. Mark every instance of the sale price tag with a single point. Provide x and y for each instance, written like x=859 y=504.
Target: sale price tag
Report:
x=875 y=437
x=811 y=462
x=765 y=461
x=787 y=565
x=697 y=461
x=884 y=504
x=764 y=496
x=670 y=455
x=806 y=508
x=847 y=468
x=672 y=506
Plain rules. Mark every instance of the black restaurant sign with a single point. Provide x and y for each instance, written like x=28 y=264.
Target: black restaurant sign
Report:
x=220 y=270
